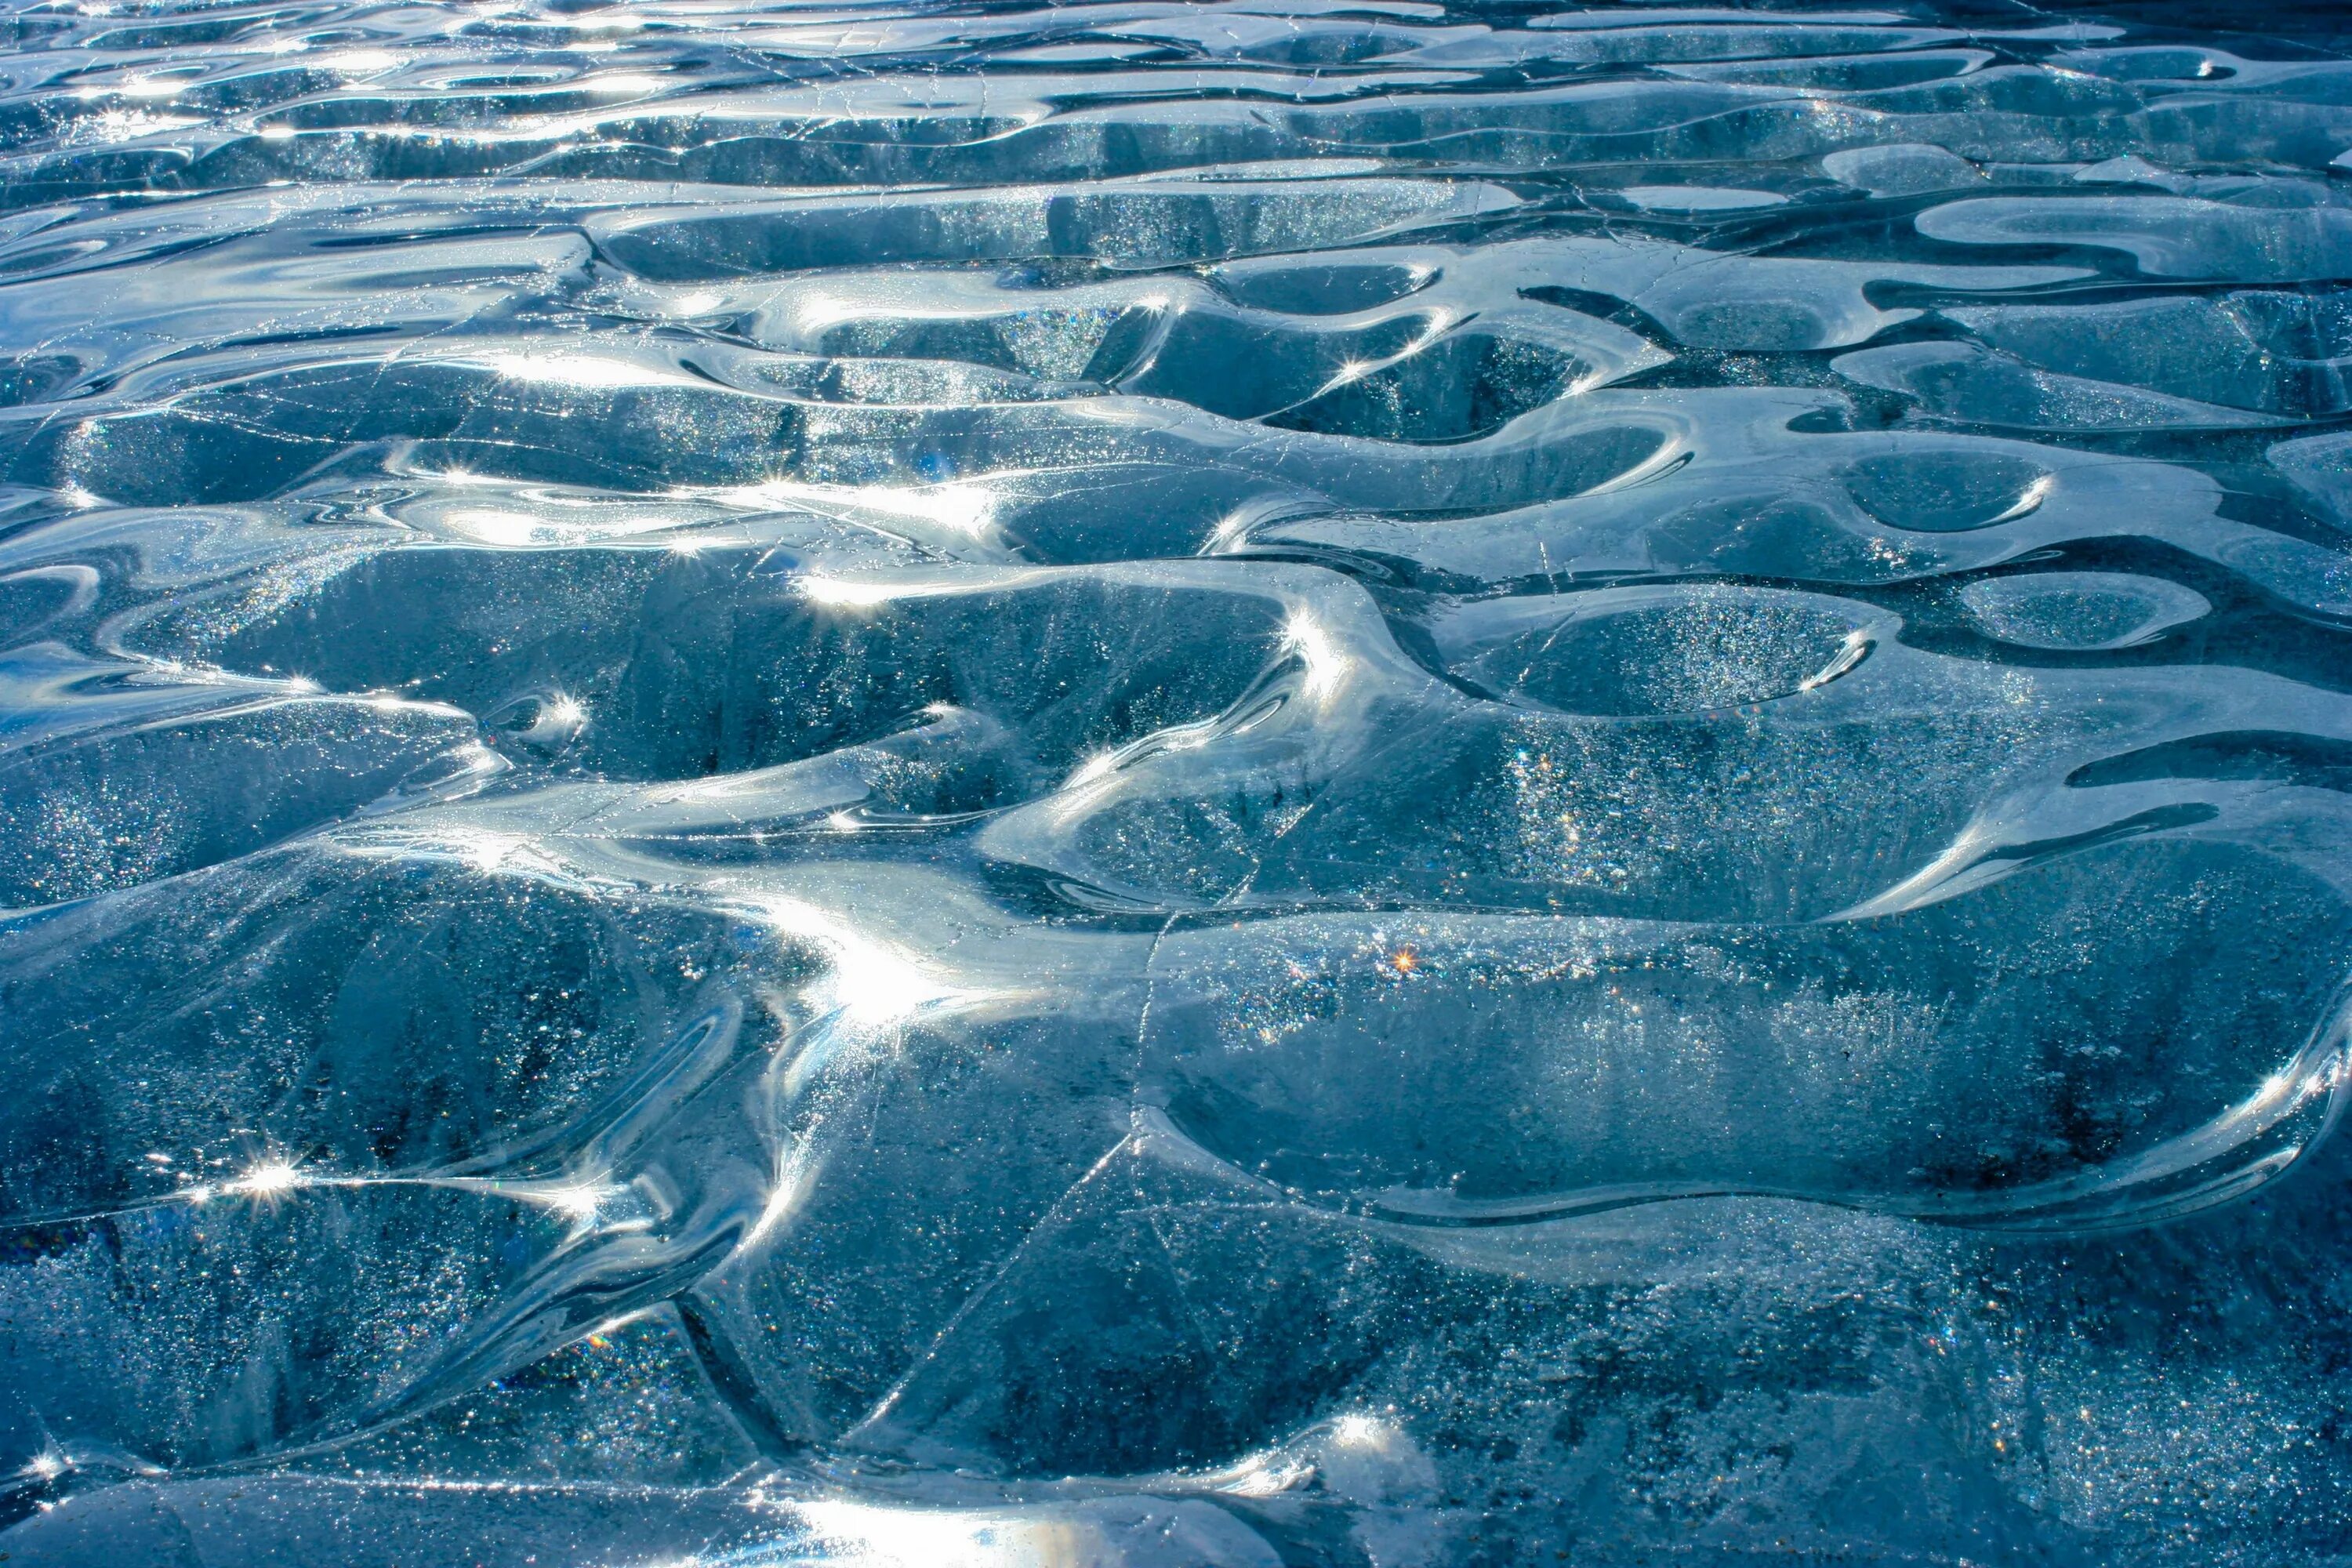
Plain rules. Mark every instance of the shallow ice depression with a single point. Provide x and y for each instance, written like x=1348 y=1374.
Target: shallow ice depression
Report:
x=1358 y=783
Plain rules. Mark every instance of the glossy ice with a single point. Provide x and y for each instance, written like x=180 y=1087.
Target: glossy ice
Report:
x=1316 y=782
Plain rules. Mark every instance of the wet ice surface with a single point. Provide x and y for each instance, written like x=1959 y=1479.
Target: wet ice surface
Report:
x=1289 y=782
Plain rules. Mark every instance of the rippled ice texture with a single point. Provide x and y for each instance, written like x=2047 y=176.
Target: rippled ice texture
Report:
x=1316 y=781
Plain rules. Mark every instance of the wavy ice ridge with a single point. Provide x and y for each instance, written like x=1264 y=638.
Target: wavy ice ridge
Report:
x=1278 y=781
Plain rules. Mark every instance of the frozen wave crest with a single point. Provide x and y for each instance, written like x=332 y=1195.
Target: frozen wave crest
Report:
x=1279 y=782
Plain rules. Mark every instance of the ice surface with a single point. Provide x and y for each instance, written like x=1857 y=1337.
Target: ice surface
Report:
x=1343 y=782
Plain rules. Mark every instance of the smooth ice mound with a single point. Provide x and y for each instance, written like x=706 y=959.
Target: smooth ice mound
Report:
x=1337 y=782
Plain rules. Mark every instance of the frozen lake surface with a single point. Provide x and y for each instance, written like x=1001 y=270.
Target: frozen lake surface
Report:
x=1337 y=782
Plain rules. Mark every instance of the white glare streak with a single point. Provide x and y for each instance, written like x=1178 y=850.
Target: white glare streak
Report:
x=1230 y=527
x=582 y=1201
x=267 y=1181
x=965 y=508
x=2030 y=500
x=870 y=982
x=478 y=849
x=1091 y=769
x=794 y=1180
x=587 y=372
x=492 y=526
x=843 y=592
x=1326 y=665
x=859 y=1535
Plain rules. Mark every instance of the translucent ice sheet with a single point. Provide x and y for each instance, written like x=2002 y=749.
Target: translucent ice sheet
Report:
x=1355 y=784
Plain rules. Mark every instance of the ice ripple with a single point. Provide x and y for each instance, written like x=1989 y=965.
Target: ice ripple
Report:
x=1342 y=782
